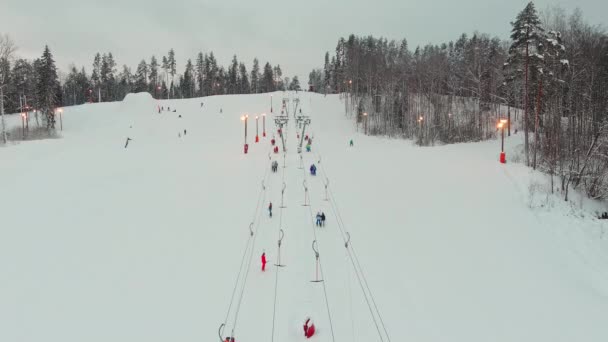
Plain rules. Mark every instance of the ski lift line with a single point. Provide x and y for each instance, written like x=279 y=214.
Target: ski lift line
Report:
x=320 y=269
x=276 y=280
x=347 y=243
x=249 y=247
x=358 y=270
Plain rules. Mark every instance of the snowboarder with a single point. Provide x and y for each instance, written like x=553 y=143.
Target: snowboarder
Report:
x=323 y=219
x=351 y=143
x=309 y=328
x=270 y=209
x=263 y=261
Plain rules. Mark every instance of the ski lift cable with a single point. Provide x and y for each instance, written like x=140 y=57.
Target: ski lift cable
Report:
x=276 y=279
x=248 y=247
x=321 y=268
x=358 y=268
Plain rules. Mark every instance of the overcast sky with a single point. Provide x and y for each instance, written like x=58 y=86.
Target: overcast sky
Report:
x=294 y=34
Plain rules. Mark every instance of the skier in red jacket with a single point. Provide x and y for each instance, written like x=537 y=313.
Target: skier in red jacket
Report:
x=309 y=328
x=263 y=261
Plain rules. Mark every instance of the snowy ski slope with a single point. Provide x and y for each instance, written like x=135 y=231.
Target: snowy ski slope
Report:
x=100 y=243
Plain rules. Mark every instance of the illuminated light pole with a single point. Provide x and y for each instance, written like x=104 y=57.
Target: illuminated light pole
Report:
x=501 y=126
x=23 y=125
x=264 y=124
x=90 y=95
x=421 y=121
x=271 y=103
x=244 y=118
x=365 y=123
x=257 y=137
x=60 y=111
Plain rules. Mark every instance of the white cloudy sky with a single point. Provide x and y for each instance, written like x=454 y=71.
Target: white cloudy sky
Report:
x=294 y=34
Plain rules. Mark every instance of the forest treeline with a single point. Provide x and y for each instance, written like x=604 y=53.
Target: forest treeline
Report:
x=549 y=81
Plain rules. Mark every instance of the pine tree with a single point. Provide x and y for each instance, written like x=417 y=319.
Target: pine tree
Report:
x=165 y=67
x=327 y=69
x=96 y=75
x=244 y=87
x=200 y=72
x=153 y=69
x=295 y=84
x=526 y=36
x=278 y=78
x=187 y=82
x=255 y=77
x=47 y=87
x=233 y=73
x=267 y=83
x=172 y=65
x=141 y=77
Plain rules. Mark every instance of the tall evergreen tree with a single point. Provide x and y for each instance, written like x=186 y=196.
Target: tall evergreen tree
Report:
x=141 y=77
x=165 y=66
x=255 y=76
x=267 y=84
x=244 y=87
x=47 y=87
x=171 y=63
x=527 y=35
x=96 y=75
x=233 y=73
x=153 y=70
x=200 y=72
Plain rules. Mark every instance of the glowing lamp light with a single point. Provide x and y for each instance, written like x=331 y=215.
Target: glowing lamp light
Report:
x=242 y=117
x=364 y=114
x=263 y=114
x=500 y=124
x=23 y=115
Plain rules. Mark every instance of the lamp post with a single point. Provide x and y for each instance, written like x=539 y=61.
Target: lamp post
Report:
x=421 y=121
x=244 y=119
x=365 y=123
x=270 y=103
x=501 y=126
x=264 y=124
x=60 y=111
x=23 y=125
x=257 y=137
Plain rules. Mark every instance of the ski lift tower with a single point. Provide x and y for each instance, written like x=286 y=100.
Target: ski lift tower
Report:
x=281 y=121
x=295 y=109
x=286 y=104
x=302 y=121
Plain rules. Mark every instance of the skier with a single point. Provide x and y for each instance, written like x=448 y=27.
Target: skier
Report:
x=127 y=144
x=351 y=143
x=221 y=111
x=313 y=170
x=263 y=261
x=272 y=141
x=307 y=147
x=201 y=105
x=323 y=219
x=184 y=132
x=309 y=328
x=270 y=209
x=318 y=222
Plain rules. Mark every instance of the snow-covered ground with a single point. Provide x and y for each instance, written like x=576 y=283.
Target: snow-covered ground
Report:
x=102 y=243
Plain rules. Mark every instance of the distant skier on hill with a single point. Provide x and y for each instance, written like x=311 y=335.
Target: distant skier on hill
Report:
x=270 y=209
x=351 y=143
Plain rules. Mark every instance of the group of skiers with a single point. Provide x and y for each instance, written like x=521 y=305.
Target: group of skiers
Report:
x=320 y=222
